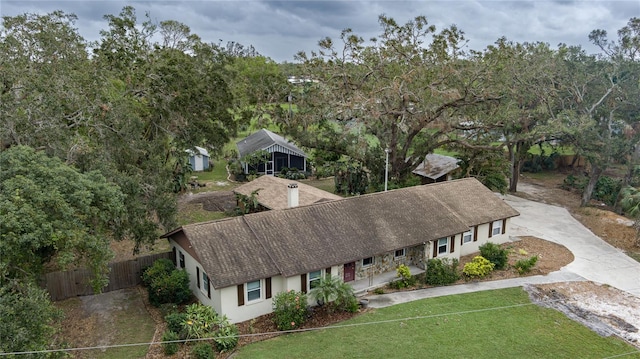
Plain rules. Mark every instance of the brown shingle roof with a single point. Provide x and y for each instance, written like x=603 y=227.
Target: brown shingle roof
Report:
x=303 y=239
x=273 y=192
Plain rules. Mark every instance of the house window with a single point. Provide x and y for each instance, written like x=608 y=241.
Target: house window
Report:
x=467 y=236
x=253 y=291
x=443 y=244
x=205 y=285
x=400 y=253
x=314 y=279
x=181 y=259
x=367 y=262
x=497 y=228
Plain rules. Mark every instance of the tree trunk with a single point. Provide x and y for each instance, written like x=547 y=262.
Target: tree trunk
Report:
x=515 y=164
x=594 y=175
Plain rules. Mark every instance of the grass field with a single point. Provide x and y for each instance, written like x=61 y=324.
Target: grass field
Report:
x=491 y=324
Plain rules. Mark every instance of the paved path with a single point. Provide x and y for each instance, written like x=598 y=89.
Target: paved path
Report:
x=595 y=259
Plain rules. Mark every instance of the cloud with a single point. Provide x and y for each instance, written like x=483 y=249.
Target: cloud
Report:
x=279 y=29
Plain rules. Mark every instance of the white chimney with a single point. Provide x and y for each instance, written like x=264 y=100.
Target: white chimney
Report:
x=292 y=195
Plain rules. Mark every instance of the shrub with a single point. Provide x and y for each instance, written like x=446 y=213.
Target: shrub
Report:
x=326 y=291
x=202 y=321
x=406 y=279
x=525 y=265
x=378 y=291
x=160 y=268
x=203 y=351
x=170 y=348
x=494 y=254
x=441 y=271
x=607 y=190
x=479 y=267
x=291 y=173
x=346 y=300
x=226 y=336
x=290 y=309
x=199 y=321
x=174 y=321
x=171 y=288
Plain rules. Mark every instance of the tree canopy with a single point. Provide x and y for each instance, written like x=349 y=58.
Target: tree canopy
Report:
x=407 y=92
x=52 y=212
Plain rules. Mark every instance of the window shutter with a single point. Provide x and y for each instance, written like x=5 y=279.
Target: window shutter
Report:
x=504 y=226
x=435 y=248
x=198 y=276
x=240 y=295
x=267 y=290
x=462 y=239
x=209 y=288
x=490 y=229
x=303 y=282
x=453 y=244
x=328 y=272
x=475 y=233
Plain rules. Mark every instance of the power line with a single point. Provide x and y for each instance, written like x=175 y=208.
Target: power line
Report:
x=113 y=346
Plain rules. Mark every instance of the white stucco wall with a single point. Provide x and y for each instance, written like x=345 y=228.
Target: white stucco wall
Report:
x=483 y=237
x=190 y=266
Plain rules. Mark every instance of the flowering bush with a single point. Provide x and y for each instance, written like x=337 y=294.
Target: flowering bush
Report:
x=406 y=279
x=479 y=267
x=290 y=309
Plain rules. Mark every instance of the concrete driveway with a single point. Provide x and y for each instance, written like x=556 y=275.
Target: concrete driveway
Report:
x=595 y=259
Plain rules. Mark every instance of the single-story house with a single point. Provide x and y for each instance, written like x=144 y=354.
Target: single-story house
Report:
x=238 y=264
x=273 y=192
x=199 y=159
x=282 y=153
x=436 y=168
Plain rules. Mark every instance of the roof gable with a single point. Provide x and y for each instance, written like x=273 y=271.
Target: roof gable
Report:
x=201 y=151
x=265 y=140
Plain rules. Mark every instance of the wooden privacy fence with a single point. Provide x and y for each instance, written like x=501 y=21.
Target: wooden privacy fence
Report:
x=126 y=274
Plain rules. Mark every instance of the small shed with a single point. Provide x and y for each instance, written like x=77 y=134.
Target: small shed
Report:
x=199 y=159
x=282 y=153
x=436 y=168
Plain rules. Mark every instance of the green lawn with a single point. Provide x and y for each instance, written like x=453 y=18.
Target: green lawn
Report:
x=325 y=184
x=461 y=326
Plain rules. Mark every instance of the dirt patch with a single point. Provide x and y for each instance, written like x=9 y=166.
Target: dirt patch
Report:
x=214 y=201
x=606 y=310
x=111 y=318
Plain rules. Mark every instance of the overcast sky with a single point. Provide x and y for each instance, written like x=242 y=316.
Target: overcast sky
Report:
x=279 y=29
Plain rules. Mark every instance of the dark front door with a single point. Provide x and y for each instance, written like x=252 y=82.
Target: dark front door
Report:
x=349 y=271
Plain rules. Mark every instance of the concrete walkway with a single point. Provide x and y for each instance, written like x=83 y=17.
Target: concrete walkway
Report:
x=595 y=259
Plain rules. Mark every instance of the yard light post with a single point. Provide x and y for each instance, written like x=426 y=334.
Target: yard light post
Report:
x=386 y=168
